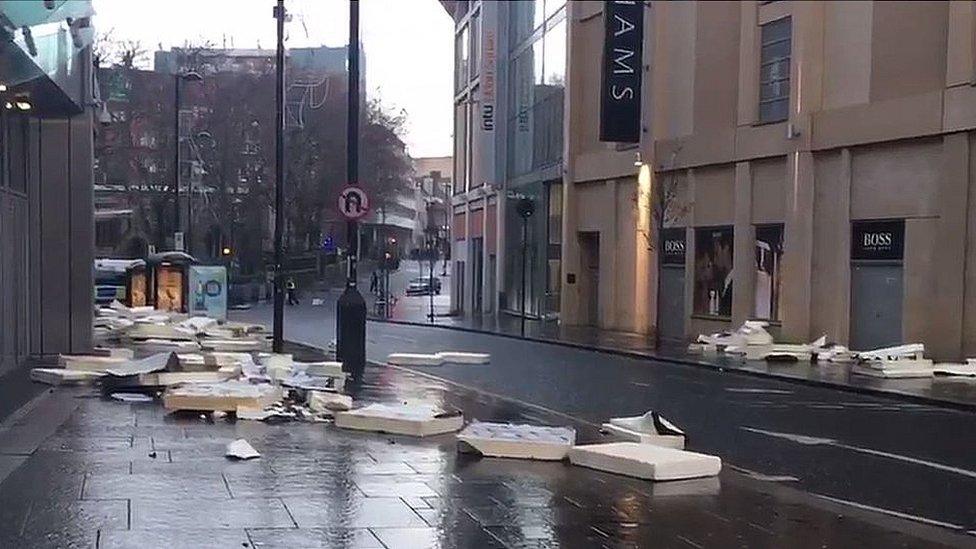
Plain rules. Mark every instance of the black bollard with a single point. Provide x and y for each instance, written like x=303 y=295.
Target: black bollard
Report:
x=351 y=332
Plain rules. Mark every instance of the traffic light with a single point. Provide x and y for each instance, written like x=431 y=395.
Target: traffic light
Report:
x=227 y=251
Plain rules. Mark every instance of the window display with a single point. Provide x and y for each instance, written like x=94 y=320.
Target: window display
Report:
x=713 y=271
x=769 y=258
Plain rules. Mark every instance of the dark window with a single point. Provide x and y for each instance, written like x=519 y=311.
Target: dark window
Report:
x=17 y=151
x=774 y=71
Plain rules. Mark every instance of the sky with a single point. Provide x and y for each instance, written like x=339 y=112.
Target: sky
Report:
x=409 y=46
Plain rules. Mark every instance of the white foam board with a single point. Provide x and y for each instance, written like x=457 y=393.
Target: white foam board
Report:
x=892 y=372
x=232 y=344
x=60 y=376
x=417 y=420
x=954 y=369
x=464 y=358
x=241 y=449
x=517 y=441
x=414 y=359
x=667 y=441
x=645 y=461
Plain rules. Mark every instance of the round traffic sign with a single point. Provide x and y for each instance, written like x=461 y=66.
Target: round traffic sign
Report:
x=353 y=202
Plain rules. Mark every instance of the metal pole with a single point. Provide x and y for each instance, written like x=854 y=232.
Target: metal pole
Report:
x=525 y=229
x=279 y=223
x=433 y=259
x=176 y=159
x=351 y=309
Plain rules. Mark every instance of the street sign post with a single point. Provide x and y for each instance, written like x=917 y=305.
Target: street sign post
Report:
x=353 y=204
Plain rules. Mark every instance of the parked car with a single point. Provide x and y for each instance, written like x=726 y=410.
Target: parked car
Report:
x=424 y=286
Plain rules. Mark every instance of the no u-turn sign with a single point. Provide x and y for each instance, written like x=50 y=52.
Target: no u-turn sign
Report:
x=353 y=202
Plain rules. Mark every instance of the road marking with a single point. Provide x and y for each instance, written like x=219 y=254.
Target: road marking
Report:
x=758 y=390
x=898 y=514
x=396 y=338
x=812 y=441
x=639 y=384
x=762 y=476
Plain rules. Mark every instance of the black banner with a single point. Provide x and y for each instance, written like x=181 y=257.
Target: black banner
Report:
x=878 y=240
x=620 y=96
x=673 y=247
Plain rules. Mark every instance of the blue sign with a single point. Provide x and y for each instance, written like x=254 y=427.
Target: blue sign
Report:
x=328 y=244
x=208 y=291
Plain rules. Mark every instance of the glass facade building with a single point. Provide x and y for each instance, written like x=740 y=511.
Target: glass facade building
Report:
x=534 y=135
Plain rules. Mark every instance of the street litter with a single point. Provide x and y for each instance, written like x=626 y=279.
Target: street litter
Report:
x=645 y=461
x=321 y=401
x=649 y=428
x=253 y=414
x=509 y=440
x=224 y=396
x=153 y=363
x=417 y=420
x=60 y=376
x=437 y=359
x=903 y=361
x=464 y=358
x=414 y=359
x=946 y=369
x=132 y=397
x=241 y=449
x=89 y=363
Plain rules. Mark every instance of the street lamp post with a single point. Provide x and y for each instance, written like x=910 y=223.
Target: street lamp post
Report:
x=279 y=222
x=351 y=309
x=189 y=76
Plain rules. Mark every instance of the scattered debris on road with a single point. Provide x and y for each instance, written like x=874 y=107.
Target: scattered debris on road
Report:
x=413 y=419
x=241 y=449
x=645 y=461
x=437 y=359
x=509 y=440
x=649 y=428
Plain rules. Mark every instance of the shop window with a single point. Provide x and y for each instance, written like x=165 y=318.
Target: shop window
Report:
x=769 y=261
x=713 y=271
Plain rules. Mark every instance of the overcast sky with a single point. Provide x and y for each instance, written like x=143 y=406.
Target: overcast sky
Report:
x=409 y=45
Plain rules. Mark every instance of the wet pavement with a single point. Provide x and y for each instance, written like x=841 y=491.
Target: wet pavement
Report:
x=90 y=472
x=885 y=453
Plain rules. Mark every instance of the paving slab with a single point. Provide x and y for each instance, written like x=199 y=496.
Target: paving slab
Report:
x=314 y=512
x=172 y=537
x=200 y=513
x=313 y=538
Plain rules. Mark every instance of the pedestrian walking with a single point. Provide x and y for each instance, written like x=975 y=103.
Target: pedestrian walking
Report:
x=290 y=290
x=374 y=282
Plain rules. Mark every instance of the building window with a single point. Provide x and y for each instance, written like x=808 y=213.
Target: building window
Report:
x=536 y=89
x=17 y=151
x=769 y=261
x=461 y=151
x=713 y=271
x=462 y=52
x=774 y=71
x=475 y=40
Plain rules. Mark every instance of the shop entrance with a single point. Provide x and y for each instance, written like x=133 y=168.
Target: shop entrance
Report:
x=458 y=275
x=589 y=289
x=671 y=304
x=477 y=274
x=671 y=287
x=877 y=287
